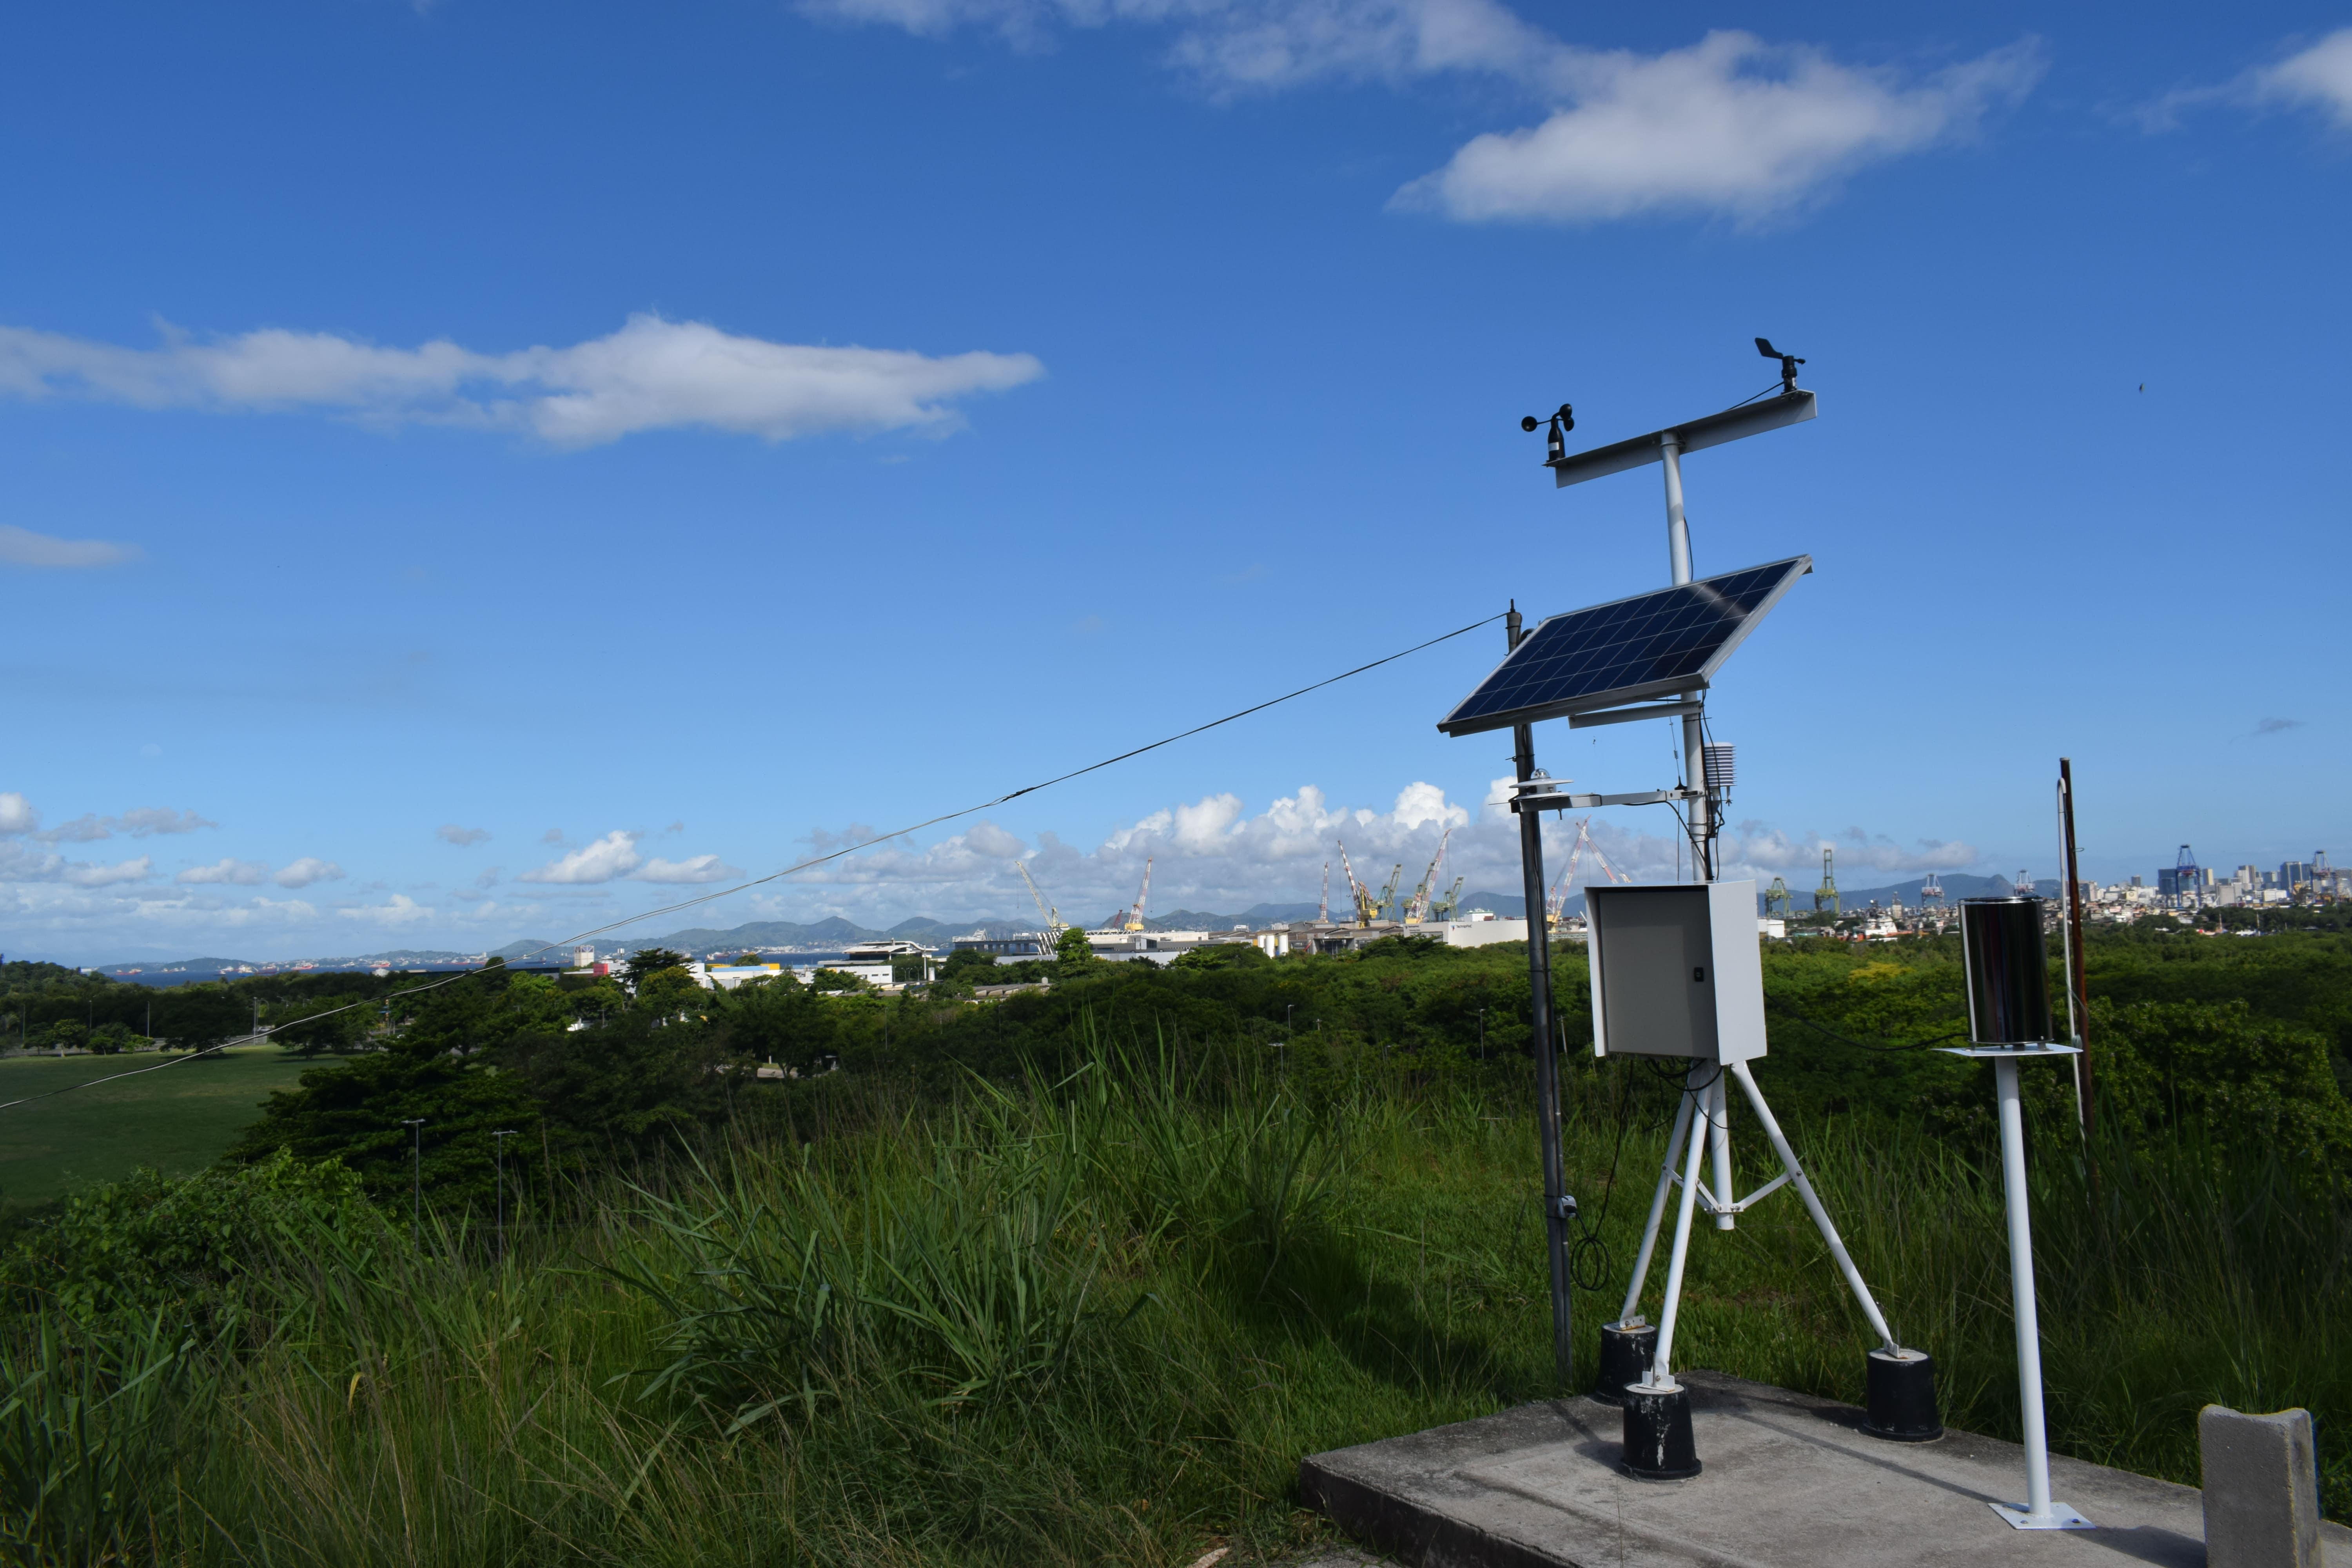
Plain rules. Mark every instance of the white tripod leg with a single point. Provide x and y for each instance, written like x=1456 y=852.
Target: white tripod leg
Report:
x=1813 y=1206
x=1657 y=1209
x=1659 y=1373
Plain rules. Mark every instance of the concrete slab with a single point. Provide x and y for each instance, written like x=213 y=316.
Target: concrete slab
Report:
x=1790 y=1480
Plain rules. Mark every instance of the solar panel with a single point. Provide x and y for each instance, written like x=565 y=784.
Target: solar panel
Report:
x=1653 y=645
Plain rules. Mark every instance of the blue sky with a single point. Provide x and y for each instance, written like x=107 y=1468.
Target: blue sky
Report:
x=478 y=470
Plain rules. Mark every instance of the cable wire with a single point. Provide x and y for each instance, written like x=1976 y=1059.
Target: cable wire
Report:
x=793 y=869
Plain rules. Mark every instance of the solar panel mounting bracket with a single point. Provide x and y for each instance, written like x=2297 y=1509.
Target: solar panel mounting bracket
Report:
x=1690 y=708
x=1541 y=799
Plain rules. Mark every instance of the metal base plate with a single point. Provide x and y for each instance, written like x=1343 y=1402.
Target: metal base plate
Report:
x=2062 y=1516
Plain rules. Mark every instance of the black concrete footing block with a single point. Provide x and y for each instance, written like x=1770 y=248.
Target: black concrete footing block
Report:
x=1658 y=1444
x=1625 y=1357
x=1901 y=1397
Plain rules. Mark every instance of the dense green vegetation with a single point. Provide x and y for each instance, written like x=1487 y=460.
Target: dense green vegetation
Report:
x=1079 y=1275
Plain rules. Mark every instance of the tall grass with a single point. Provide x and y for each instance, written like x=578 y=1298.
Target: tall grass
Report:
x=1091 y=1318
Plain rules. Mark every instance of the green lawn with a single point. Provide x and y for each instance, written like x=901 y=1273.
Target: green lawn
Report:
x=177 y=1121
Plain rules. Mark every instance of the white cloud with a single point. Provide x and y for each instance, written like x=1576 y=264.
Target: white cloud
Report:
x=146 y=821
x=23 y=547
x=463 y=837
x=700 y=868
x=143 y=822
x=18 y=864
x=235 y=873
x=1214 y=854
x=613 y=855
x=990 y=840
x=2316 y=77
x=651 y=374
x=16 y=813
x=307 y=870
x=1731 y=125
x=1760 y=848
x=400 y=910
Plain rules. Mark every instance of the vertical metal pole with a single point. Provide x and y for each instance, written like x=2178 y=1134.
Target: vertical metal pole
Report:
x=1718 y=1138
x=2020 y=1290
x=1702 y=810
x=1661 y=1368
x=1531 y=871
x=1678 y=560
x=1678 y=555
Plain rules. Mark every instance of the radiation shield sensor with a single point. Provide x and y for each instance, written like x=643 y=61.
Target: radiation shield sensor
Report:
x=1668 y=642
x=1676 y=971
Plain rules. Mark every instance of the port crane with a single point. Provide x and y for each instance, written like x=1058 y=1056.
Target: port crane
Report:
x=1142 y=899
x=1323 y=910
x=1444 y=908
x=1418 y=911
x=1559 y=888
x=1053 y=920
x=1387 y=908
x=1361 y=895
x=1778 y=898
x=1825 y=896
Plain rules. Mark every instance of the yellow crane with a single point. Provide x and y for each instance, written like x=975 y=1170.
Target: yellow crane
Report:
x=1142 y=899
x=1053 y=920
x=1418 y=911
x=1356 y=892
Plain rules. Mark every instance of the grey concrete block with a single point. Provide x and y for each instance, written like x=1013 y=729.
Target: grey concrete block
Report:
x=2262 y=1489
x=1791 y=1482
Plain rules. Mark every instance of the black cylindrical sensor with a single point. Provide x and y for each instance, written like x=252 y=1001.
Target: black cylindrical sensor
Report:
x=1626 y=1352
x=1900 y=1402
x=1658 y=1443
x=2009 y=972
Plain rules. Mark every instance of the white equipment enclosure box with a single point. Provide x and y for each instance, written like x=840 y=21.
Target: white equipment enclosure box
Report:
x=1675 y=971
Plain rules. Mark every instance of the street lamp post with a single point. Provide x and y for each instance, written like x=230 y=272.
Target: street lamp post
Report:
x=416 y=1173
x=498 y=1141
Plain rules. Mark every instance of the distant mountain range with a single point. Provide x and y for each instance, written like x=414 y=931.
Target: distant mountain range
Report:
x=835 y=932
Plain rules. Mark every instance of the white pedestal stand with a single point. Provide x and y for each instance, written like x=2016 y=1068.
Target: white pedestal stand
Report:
x=1704 y=1097
x=2039 y=1512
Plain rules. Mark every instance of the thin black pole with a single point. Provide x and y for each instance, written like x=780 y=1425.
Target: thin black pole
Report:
x=1531 y=874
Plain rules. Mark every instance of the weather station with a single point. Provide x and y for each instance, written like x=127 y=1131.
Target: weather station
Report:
x=1609 y=1468
x=1675 y=969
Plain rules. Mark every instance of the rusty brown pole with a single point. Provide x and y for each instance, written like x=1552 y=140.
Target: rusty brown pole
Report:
x=2076 y=981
